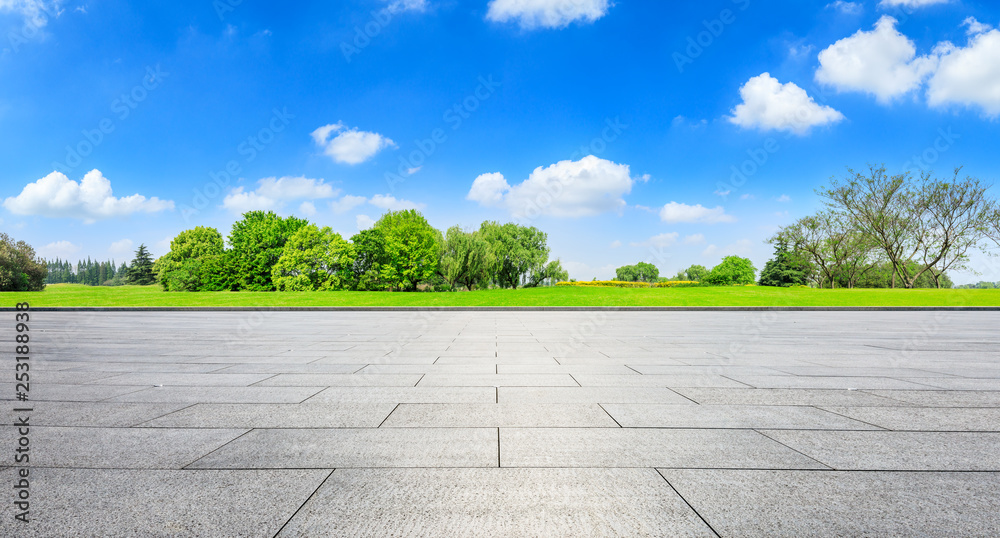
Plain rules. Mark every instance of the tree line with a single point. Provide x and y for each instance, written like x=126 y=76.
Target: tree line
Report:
x=882 y=230
x=401 y=252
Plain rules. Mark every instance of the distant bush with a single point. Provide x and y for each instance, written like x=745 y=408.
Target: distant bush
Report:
x=622 y=284
x=20 y=268
x=732 y=271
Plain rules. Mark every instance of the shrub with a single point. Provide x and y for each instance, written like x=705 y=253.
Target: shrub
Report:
x=20 y=269
x=733 y=271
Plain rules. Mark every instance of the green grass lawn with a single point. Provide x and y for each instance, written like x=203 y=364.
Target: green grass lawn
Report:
x=79 y=295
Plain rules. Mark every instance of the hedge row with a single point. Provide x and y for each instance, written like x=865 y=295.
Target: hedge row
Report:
x=622 y=284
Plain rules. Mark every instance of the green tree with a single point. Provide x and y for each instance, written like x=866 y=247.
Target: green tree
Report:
x=554 y=272
x=695 y=273
x=141 y=270
x=732 y=271
x=518 y=251
x=369 y=258
x=314 y=259
x=256 y=242
x=20 y=268
x=640 y=272
x=787 y=268
x=466 y=259
x=193 y=263
x=412 y=247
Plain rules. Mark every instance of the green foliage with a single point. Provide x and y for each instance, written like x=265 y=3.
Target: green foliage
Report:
x=194 y=263
x=140 y=271
x=370 y=257
x=695 y=273
x=314 y=259
x=733 y=271
x=412 y=247
x=787 y=268
x=467 y=259
x=518 y=251
x=20 y=268
x=640 y=272
x=257 y=241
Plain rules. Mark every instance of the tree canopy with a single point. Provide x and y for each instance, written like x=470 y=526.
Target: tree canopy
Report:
x=257 y=241
x=20 y=268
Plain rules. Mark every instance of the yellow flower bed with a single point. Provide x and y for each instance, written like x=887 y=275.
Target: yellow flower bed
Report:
x=620 y=284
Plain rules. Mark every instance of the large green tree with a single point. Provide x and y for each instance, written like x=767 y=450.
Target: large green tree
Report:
x=140 y=271
x=466 y=259
x=695 y=273
x=518 y=251
x=369 y=259
x=412 y=247
x=787 y=268
x=732 y=271
x=640 y=272
x=256 y=242
x=20 y=268
x=314 y=259
x=194 y=263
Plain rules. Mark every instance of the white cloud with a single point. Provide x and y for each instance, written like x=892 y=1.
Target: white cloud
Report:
x=882 y=62
x=769 y=104
x=784 y=198
x=911 y=3
x=307 y=208
x=36 y=13
x=975 y=27
x=723 y=193
x=847 y=8
x=747 y=196
x=695 y=239
x=347 y=203
x=397 y=6
x=675 y=212
x=350 y=146
x=531 y=14
x=616 y=243
x=968 y=76
x=59 y=249
x=414 y=170
x=161 y=247
x=121 y=248
x=587 y=187
x=271 y=193
x=663 y=240
x=364 y=222
x=55 y=195
x=391 y=203
x=710 y=250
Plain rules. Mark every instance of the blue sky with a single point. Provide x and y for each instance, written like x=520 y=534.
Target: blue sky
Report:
x=668 y=132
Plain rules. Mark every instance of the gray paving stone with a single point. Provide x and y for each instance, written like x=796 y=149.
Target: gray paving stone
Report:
x=368 y=447
x=106 y=502
x=815 y=503
x=121 y=448
x=497 y=380
x=256 y=394
x=70 y=393
x=341 y=380
x=494 y=415
x=308 y=415
x=587 y=395
x=713 y=396
x=599 y=447
x=835 y=383
x=106 y=414
x=496 y=502
x=590 y=380
x=573 y=369
x=407 y=395
x=114 y=368
x=729 y=416
x=941 y=398
x=926 y=418
x=991 y=384
x=896 y=451
x=183 y=379
x=280 y=368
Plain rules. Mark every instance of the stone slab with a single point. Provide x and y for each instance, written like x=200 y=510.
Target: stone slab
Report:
x=587 y=395
x=308 y=415
x=730 y=416
x=499 y=416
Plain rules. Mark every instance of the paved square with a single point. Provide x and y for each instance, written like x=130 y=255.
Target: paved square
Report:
x=510 y=423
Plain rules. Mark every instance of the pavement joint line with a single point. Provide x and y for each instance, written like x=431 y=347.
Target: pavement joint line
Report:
x=610 y=415
x=296 y=512
x=140 y=424
x=217 y=448
x=832 y=468
x=313 y=395
x=880 y=428
x=693 y=509
x=263 y=380
x=380 y=423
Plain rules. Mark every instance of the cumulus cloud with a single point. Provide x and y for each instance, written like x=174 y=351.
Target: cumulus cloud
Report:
x=121 y=248
x=55 y=195
x=975 y=27
x=391 y=203
x=347 y=203
x=770 y=105
x=364 y=222
x=968 y=76
x=784 y=198
x=272 y=193
x=350 y=146
x=587 y=187
x=675 y=212
x=530 y=14
x=695 y=239
x=659 y=241
x=307 y=208
x=398 y=6
x=882 y=62
x=36 y=13
x=911 y=3
x=59 y=249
